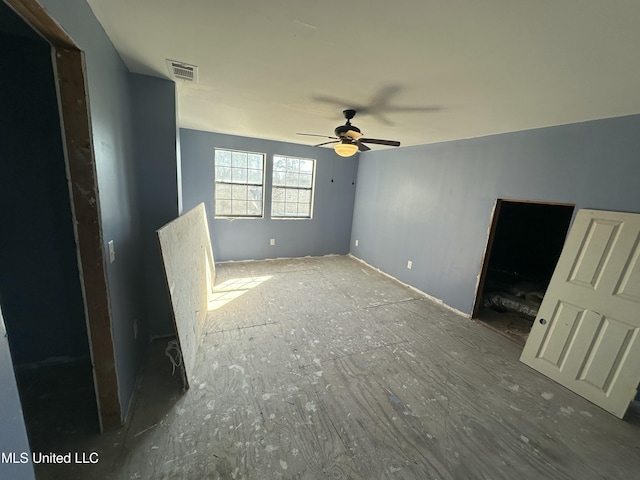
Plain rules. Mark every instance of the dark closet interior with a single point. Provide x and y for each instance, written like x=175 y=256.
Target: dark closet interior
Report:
x=40 y=289
x=524 y=246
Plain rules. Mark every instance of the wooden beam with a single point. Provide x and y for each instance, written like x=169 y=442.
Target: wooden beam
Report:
x=86 y=209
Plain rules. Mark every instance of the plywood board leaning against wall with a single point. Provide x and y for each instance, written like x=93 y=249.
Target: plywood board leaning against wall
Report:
x=189 y=272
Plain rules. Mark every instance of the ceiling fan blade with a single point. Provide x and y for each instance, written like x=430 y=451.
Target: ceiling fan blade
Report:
x=391 y=143
x=383 y=96
x=391 y=108
x=338 y=101
x=326 y=143
x=382 y=119
x=362 y=147
x=353 y=134
x=314 y=135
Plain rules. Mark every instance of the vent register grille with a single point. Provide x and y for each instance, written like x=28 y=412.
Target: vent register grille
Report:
x=183 y=71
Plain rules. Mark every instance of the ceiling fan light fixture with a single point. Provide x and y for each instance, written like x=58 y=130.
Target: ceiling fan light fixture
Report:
x=345 y=148
x=349 y=139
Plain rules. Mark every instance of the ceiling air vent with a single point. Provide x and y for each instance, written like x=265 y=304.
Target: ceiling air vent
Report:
x=183 y=71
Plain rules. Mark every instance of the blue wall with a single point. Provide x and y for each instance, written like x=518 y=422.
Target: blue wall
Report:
x=13 y=434
x=432 y=204
x=110 y=102
x=156 y=138
x=242 y=239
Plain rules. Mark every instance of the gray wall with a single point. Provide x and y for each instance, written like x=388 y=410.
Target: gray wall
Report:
x=156 y=137
x=110 y=100
x=432 y=203
x=241 y=239
x=14 y=434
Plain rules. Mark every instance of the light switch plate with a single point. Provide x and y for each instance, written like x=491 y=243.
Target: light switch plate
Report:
x=112 y=252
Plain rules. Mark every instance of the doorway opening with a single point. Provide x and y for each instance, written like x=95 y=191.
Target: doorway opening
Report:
x=40 y=287
x=63 y=85
x=525 y=241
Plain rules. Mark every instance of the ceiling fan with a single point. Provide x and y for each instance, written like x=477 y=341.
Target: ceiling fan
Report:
x=349 y=138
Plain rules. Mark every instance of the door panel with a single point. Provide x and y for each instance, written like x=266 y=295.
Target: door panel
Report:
x=585 y=336
x=629 y=285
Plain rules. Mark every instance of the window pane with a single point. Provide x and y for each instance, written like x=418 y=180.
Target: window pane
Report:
x=254 y=176
x=291 y=180
x=304 y=210
x=255 y=194
x=304 y=196
x=223 y=157
x=238 y=207
x=239 y=175
x=223 y=190
x=223 y=174
x=279 y=164
x=279 y=178
x=278 y=194
x=239 y=192
x=291 y=209
x=255 y=161
x=292 y=195
x=305 y=181
x=223 y=207
x=277 y=209
x=239 y=159
x=254 y=208
x=306 y=166
x=293 y=165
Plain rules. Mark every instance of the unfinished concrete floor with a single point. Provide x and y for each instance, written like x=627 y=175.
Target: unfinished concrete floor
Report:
x=323 y=368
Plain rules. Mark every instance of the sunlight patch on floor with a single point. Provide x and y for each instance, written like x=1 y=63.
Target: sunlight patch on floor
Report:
x=233 y=288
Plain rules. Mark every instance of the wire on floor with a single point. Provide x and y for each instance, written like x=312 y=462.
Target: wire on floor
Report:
x=175 y=358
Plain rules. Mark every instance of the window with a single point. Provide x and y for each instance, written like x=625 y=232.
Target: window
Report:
x=292 y=194
x=238 y=183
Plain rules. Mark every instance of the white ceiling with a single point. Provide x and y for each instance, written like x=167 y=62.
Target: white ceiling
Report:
x=268 y=68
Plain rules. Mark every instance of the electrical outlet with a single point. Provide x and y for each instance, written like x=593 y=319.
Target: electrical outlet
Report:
x=409 y=264
x=356 y=243
x=272 y=241
x=112 y=252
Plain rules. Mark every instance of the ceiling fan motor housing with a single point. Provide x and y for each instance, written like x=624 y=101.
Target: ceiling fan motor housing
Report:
x=343 y=130
x=349 y=114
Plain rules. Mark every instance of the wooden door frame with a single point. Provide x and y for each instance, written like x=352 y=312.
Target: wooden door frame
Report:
x=75 y=123
x=477 y=304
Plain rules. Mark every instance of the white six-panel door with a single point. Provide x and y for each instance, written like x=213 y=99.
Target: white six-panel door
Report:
x=585 y=336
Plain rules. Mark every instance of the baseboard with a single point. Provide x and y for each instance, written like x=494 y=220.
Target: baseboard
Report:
x=420 y=292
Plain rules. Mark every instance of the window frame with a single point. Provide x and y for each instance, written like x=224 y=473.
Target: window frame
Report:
x=311 y=189
x=216 y=182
